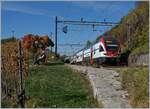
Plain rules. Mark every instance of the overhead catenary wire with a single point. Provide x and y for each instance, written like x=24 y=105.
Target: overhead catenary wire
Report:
x=79 y=22
x=72 y=44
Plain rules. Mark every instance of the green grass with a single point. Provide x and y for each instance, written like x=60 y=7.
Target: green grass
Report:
x=136 y=80
x=8 y=103
x=56 y=85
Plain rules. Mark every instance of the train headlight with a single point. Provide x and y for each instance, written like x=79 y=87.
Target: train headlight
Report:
x=105 y=53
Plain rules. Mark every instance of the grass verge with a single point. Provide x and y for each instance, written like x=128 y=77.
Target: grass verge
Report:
x=55 y=85
x=135 y=80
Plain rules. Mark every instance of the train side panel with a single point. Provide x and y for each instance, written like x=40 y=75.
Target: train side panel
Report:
x=86 y=54
x=79 y=58
x=105 y=51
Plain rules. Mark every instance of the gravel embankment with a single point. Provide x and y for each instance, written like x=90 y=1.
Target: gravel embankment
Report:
x=106 y=88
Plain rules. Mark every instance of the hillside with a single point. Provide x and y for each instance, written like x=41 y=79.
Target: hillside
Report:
x=132 y=30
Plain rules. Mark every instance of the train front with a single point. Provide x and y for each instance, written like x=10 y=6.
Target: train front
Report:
x=112 y=50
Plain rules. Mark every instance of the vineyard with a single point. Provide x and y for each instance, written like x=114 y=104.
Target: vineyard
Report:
x=11 y=67
x=15 y=65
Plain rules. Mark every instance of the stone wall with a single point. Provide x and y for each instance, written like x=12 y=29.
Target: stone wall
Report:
x=140 y=60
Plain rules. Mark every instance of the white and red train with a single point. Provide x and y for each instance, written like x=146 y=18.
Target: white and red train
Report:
x=106 y=50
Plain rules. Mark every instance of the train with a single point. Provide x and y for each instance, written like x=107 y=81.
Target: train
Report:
x=106 y=51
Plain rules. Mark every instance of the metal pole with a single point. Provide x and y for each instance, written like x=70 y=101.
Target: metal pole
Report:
x=52 y=40
x=56 y=36
x=13 y=33
x=13 y=36
x=89 y=22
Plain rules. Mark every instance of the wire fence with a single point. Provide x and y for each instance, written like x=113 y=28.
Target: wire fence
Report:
x=14 y=71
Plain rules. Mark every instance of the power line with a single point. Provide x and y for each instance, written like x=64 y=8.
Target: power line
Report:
x=72 y=44
x=79 y=22
x=87 y=22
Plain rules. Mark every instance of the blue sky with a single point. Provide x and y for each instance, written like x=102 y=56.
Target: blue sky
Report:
x=39 y=18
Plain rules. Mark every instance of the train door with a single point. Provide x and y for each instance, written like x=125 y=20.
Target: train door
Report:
x=91 y=56
x=82 y=57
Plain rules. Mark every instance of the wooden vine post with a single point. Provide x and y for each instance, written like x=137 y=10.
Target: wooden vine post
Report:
x=21 y=95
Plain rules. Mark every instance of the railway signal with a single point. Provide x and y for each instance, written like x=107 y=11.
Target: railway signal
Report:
x=65 y=29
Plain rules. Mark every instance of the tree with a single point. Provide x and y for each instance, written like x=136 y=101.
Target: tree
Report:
x=88 y=43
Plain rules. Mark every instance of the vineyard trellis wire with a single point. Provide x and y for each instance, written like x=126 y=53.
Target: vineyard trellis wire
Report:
x=15 y=68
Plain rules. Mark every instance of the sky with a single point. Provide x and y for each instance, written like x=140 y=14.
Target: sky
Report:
x=38 y=17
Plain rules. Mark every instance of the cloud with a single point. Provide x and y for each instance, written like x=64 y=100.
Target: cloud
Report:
x=103 y=6
x=93 y=4
x=28 y=10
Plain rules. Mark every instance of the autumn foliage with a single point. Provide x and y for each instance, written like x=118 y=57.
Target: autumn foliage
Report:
x=10 y=60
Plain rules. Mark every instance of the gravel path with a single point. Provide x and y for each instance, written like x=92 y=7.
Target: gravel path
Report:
x=106 y=88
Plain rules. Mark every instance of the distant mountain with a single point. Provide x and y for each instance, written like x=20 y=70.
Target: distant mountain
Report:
x=11 y=39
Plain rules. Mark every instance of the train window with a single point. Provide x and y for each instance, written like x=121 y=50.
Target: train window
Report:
x=94 y=50
x=112 y=48
x=101 y=48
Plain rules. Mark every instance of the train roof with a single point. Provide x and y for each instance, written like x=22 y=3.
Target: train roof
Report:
x=107 y=37
x=79 y=51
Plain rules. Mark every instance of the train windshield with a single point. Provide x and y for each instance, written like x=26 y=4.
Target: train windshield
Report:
x=112 y=47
